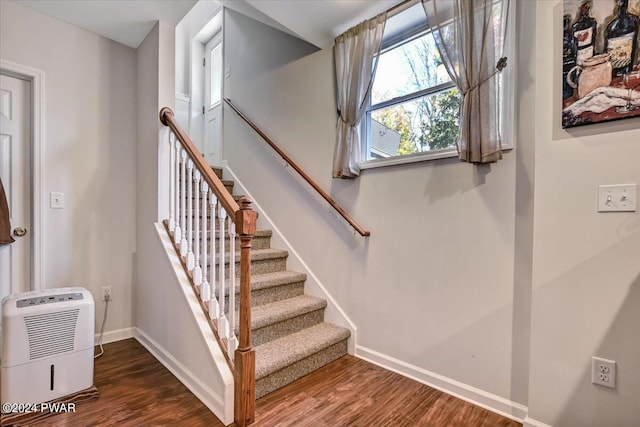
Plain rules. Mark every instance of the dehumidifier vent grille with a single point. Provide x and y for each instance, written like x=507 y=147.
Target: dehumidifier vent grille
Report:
x=51 y=333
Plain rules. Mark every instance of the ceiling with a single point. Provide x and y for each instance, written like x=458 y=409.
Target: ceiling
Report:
x=125 y=21
x=320 y=21
x=129 y=21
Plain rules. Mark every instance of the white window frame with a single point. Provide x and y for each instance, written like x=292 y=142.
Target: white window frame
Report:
x=508 y=128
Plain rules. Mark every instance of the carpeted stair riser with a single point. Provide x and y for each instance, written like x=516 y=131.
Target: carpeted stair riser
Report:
x=268 y=295
x=260 y=240
x=286 y=327
x=228 y=185
x=299 y=369
x=217 y=171
x=259 y=266
x=257 y=242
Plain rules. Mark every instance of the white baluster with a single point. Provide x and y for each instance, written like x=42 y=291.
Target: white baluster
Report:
x=214 y=307
x=205 y=291
x=190 y=260
x=223 y=325
x=233 y=340
x=177 y=232
x=183 y=197
x=197 y=271
x=172 y=183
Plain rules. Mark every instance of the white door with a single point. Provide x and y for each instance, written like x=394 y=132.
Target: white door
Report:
x=213 y=101
x=15 y=146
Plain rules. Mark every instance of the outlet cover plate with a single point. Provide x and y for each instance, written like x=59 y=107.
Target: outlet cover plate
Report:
x=617 y=198
x=603 y=372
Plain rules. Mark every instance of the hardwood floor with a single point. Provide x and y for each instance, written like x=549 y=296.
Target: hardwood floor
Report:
x=136 y=390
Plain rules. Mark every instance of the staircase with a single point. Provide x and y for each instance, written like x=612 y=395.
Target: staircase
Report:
x=289 y=334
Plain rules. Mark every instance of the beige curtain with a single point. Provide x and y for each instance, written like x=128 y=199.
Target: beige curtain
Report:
x=355 y=56
x=470 y=37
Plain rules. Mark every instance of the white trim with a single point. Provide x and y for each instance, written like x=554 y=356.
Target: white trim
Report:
x=182 y=97
x=36 y=77
x=116 y=335
x=224 y=405
x=410 y=158
x=414 y=158
x=530 y=422
x=489 y=401
x=313 y=286
x=202 y=391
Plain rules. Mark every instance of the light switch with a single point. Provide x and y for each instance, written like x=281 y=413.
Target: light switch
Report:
x=617 y=198
x=57 y=200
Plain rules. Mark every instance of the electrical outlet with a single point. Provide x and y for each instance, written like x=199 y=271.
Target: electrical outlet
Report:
x=603 y=372
x=106 y=292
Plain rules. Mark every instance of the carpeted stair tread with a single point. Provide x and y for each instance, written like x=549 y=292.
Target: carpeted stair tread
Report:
x=280 y=353
x=258 y=233
x=269 y=280
x=259 y=255
x=280 y=311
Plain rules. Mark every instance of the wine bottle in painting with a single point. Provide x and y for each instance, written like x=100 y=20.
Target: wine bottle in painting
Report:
x=621 y=39
x=568 y=56
x=584 y=32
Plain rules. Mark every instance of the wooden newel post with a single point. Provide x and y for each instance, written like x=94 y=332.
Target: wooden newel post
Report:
x=245 y=356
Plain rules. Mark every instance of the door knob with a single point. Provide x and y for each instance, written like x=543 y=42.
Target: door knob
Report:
x=19 y=231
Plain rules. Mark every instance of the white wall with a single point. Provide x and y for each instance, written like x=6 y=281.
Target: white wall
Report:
x=88 y=153
x=162 y=313
x=201 y=13
x=434 y=284
x=586 y=269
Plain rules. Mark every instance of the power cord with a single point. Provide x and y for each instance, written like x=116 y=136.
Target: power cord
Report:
x=107 y=298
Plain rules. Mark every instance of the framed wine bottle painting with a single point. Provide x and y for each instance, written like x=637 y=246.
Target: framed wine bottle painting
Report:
x=600 y=61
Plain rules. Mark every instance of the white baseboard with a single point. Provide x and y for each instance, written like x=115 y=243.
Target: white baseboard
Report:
x=205 y=394
x=530 y=422
x=115 y=335
x=491 y=402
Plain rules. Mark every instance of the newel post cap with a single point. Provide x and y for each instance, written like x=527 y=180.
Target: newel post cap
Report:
x=246 y=217
x=163 y=113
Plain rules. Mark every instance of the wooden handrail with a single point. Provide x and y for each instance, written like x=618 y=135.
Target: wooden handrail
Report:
x=168 y=119
x=302 y=173
x=244 y=217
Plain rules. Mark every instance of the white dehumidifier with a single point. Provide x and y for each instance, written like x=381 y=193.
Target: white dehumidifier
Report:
x=47 y=344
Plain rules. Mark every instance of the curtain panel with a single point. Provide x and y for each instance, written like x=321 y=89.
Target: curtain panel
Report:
x=356 y=54
x=470 y=35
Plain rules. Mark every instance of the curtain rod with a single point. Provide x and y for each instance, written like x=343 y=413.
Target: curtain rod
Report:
x=394 y=10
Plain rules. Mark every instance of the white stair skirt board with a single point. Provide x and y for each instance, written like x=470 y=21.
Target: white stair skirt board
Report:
x=530 y=422
x=208 y=397
x=333 y=312
x=220 y=405
x=489 y=401
x=116 y=335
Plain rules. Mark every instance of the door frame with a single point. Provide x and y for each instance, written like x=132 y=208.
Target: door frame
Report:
x=36 y=78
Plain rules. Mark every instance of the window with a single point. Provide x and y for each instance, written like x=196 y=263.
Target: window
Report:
x=216 y=75
x=414 y=106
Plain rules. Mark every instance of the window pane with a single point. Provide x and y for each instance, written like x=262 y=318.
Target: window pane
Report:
x=423 y=124
x=408 y=68
x=216 y=74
